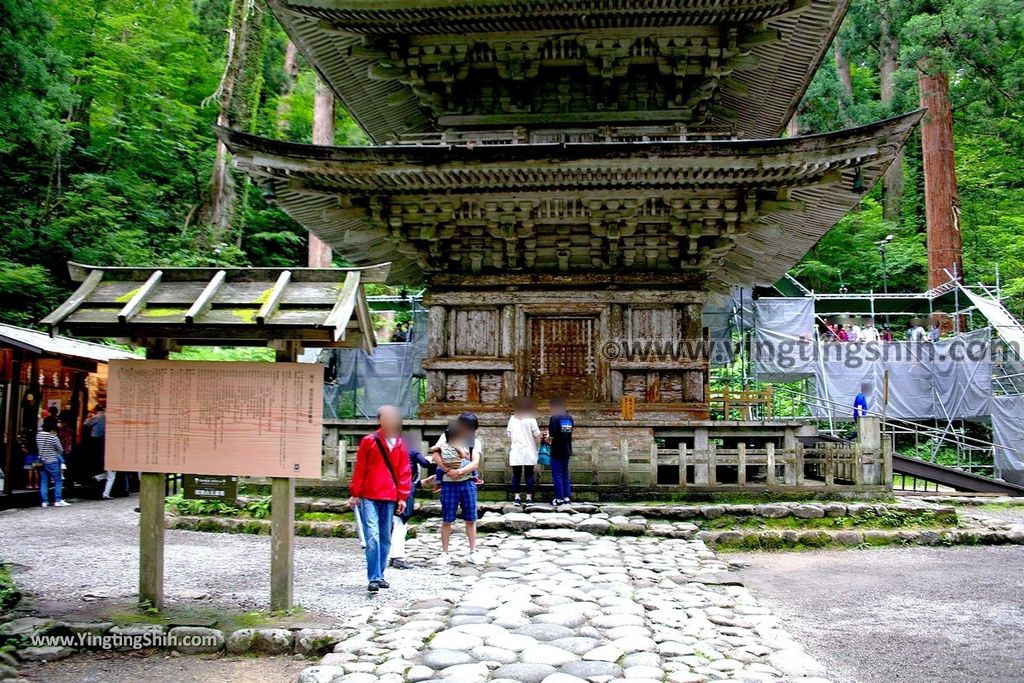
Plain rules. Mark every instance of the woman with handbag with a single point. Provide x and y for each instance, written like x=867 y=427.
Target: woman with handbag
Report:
x=524 y=437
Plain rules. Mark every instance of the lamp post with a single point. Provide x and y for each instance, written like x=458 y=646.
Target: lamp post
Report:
x=881 y=252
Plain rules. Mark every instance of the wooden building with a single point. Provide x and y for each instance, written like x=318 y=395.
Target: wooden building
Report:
x=569 y=180
x=38 y=371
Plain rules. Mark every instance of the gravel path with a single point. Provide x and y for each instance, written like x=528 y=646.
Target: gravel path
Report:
x=90 y=551
x=913 y=615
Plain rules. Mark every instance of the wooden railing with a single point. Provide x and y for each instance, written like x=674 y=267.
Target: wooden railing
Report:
x=750 y=402
x=831 y=466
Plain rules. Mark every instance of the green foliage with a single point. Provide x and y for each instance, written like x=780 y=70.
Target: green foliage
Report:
x=10 y=596
x=258 y=508
x=225 y=353
x=980 y=43
x=106 y=147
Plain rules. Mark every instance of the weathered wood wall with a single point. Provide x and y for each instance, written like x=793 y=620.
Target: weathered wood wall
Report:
x=589 y=346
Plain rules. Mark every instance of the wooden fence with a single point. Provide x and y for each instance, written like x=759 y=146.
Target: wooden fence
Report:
x=834 y=467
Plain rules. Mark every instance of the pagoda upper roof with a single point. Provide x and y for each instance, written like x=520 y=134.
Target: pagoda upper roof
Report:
x=740 y=212
x=407 y=67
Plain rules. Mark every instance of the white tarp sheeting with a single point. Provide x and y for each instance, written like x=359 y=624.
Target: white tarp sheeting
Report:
x=948 y=379
x=783 y=338
x=1008 y=437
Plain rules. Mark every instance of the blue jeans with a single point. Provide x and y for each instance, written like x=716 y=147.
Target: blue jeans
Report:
x=48 y=472
x=376 y=516
x=560 y=478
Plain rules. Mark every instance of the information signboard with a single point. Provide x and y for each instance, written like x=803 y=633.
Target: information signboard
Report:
x=216 y=418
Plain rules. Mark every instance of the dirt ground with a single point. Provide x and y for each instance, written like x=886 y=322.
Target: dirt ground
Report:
x=143 y=667
x=912 y=615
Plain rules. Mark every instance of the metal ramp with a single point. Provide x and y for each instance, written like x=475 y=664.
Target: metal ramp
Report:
x=951 y=477
x=919 y=470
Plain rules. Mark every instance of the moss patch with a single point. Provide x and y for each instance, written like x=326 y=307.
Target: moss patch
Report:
x=127 y=296
x=889 y=518
x=246 y=315
x=205 y=615
x=156 y=312
x=326 y=517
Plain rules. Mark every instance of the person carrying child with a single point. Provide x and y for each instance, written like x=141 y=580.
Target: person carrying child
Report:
x=471 y=423
x=457 y=461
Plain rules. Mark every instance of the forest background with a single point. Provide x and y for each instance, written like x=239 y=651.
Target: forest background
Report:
x=107 y=154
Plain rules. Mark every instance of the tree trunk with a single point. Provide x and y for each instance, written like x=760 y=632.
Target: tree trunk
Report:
x=892 y=181
x=323 y=134
x=843 y=74
x=238 y=96
x=291 y=72
x=942 y=205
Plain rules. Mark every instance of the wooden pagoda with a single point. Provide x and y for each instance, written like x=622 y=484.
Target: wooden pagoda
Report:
x=567 y=176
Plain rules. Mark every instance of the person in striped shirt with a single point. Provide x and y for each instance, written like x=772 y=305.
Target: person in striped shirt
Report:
x=51 y=454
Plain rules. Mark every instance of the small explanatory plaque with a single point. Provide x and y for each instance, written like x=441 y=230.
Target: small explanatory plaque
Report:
x=226 y=418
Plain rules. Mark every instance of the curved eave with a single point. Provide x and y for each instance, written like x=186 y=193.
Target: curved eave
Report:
x=308 y=182
x=422 y=17
x=387 y=109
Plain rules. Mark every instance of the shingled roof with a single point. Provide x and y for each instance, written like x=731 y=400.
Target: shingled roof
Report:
x=743 y=212
x=321 y=307
x=405 y=67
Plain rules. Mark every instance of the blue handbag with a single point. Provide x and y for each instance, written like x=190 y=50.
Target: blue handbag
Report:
x=544 y=455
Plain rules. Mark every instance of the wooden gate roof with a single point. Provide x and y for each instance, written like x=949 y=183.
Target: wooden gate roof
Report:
x=323 y=307
x=405 y=67
x=743 y=212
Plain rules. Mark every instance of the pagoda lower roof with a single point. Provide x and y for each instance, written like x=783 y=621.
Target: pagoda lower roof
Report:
x=406 y=67
x=739 y=212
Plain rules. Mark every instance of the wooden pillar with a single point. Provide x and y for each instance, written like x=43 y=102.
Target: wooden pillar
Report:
x=701 y=444
x=624 y=461
x=682 y=466
x=942 y=205
x=789 y=444
x=12 y=408
x=151 y=539
x=152 y=493
x=282 y=521
x=595 y=464
x=282 y=543
x=741 y=464
x=869 y=438
x=769 y=455
x=323 y=134
x=712 y=465
x=654 y=463
x=830 y=465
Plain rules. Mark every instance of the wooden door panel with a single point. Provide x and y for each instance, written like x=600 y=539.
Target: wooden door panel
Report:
x=562 y=358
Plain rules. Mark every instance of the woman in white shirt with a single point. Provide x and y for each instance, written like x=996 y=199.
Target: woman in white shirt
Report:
x=524 y=435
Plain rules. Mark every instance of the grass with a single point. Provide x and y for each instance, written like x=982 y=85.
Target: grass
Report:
x=9 y=593
x=253 y=509
x=202 y=616
x=325 y=517
x=998 y=506
x=869 y=519
x=776 y=543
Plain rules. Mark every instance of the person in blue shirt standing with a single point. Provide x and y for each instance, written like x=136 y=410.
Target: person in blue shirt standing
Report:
x=560 y=427
x=860 y=405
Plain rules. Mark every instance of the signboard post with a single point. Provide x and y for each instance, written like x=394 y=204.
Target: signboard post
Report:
x=215 y=418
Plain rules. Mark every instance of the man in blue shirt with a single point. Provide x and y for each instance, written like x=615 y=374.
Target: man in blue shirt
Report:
x=860 y=405
x=560 y=427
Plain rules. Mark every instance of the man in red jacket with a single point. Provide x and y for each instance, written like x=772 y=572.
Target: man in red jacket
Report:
x=381 y=481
